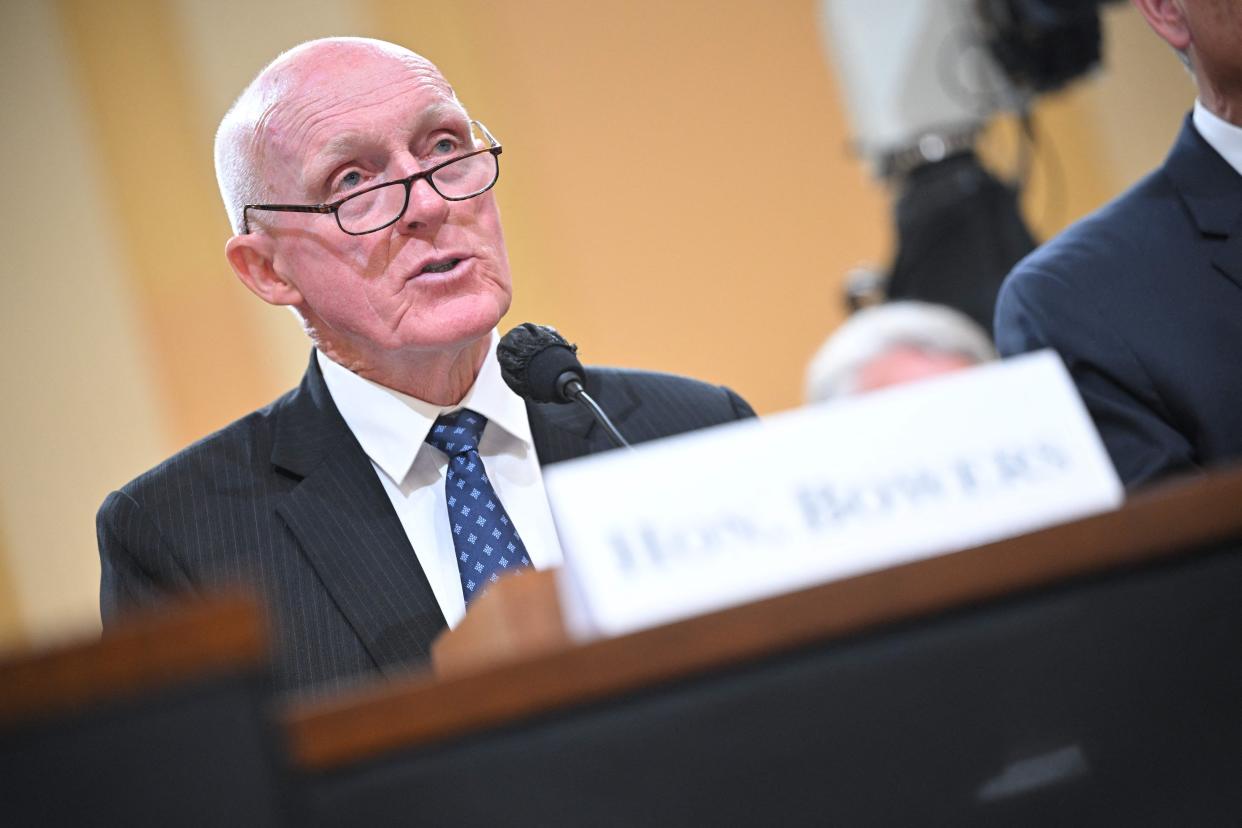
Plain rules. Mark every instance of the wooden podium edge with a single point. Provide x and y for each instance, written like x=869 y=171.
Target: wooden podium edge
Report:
x=1164 y=522
x=146 y=651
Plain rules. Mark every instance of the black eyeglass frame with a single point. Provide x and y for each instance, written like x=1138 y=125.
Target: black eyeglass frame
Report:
x=334 y=207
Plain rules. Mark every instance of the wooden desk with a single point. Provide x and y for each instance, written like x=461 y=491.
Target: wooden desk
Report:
x=1008 y=652
x=165 y=720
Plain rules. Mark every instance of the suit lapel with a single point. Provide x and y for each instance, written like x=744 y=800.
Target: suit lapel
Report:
x=346 y=527
x=560 y=432
x=567 y=430
x=1212 y=193
x=1228 y=260
x=345 y=524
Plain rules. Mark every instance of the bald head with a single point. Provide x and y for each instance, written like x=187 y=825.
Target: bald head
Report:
x=252 y=133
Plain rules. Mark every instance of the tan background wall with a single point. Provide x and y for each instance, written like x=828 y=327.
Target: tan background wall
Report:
x=677 y=195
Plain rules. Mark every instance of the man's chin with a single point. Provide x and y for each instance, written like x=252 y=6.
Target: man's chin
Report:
x=453 y=335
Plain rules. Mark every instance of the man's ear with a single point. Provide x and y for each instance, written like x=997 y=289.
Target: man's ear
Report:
x=251 y=258
x=1167 y=20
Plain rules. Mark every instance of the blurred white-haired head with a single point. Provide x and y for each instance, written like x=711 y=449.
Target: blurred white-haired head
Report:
x=894 y=343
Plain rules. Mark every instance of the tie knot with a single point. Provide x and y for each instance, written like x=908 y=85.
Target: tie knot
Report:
x=457 y=433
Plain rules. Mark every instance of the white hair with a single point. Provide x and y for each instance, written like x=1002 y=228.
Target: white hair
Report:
x=238 y=151
x=875 y=331
x=237 y=164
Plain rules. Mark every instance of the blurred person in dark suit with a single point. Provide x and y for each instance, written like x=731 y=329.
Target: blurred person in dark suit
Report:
x=1143 y=299
x=893 y=344
x=369 y=505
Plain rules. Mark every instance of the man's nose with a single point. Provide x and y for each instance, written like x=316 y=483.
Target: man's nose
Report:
x=426 y=209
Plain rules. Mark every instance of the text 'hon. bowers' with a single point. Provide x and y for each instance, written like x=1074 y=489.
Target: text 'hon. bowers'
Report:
x=817 y=510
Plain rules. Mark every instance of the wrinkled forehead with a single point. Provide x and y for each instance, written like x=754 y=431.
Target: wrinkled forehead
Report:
x=312 y=98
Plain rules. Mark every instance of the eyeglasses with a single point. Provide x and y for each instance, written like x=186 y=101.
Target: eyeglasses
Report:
x=382 y=205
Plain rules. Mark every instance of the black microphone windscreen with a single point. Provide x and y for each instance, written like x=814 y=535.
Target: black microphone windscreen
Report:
x=534 y=358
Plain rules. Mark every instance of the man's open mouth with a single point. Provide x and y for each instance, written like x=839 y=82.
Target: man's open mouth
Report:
x=441 y=267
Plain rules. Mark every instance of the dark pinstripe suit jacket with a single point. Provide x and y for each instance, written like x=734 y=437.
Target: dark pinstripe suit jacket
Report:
x=285 y=502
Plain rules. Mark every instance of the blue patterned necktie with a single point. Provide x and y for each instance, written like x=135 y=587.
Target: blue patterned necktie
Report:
x=484 y=537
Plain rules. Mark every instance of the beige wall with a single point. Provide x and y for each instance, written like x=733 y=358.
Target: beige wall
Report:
x=677 y=195
x=82 y=403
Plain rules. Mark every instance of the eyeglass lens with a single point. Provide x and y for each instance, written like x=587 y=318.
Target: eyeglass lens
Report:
x=461 y=179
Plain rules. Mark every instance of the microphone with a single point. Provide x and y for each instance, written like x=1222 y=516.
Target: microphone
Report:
x=539 y=365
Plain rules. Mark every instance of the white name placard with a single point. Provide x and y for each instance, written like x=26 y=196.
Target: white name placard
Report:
x=744 y=511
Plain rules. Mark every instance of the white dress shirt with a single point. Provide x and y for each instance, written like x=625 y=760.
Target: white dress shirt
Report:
x=1221 y=135
x=392 y=427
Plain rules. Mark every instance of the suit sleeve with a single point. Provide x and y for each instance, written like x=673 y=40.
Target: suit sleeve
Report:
x=1037 y=309
x=137 y=566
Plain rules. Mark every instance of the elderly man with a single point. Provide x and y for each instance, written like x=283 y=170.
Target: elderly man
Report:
x=372 y=503
x=1143 y=299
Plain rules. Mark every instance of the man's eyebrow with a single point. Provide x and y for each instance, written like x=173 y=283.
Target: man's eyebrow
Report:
x=337 y=149
x=439 y=112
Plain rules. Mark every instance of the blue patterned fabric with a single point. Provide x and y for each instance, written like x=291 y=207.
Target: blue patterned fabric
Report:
x=486 y=540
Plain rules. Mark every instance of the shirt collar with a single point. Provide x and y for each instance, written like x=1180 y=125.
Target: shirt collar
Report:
x=391 y=426
x=1221 y=135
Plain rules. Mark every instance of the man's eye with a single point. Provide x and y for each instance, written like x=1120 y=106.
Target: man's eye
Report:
x=445 y=146
x=349 y=180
